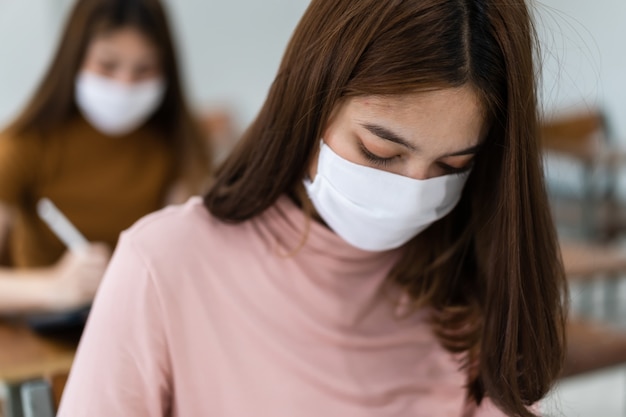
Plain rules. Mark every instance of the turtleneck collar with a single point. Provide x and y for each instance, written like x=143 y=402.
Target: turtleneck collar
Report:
x=294 y=231
x=342 y=286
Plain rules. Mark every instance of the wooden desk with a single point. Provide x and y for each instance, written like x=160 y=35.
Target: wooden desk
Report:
x=25 y=355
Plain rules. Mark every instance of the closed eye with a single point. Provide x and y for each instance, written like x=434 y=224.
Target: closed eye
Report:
x=107 y=67
x=448 y=169
x=145 y=70
x=373 y=158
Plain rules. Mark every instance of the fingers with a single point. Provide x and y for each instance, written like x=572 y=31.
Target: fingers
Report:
x=78 y=275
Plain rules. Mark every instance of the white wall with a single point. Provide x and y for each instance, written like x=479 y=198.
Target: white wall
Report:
x=585 y=59
x=27 y=39
x=230 y=51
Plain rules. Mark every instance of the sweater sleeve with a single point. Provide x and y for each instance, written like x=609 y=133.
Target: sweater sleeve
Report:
x=122 y=365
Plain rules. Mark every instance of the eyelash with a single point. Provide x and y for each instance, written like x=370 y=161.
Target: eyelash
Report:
x=383 y=162
x=108 y=66
x=456 y=171
x=375 y=159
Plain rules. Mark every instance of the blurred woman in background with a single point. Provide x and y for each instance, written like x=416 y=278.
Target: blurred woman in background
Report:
x=108 y=137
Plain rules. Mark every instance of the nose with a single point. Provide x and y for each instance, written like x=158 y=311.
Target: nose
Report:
x=125 y=76
x=418 y=171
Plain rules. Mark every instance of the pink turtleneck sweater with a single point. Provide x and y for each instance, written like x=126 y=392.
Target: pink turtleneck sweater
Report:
x=196 y=317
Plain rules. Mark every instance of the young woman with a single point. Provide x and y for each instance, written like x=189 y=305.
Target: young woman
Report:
x=379 y=244
x=107 y=137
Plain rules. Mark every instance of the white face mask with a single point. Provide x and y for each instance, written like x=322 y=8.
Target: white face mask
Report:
x=376 y=210
x=115 y=108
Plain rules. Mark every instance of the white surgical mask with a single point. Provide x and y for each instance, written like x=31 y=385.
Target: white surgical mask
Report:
x=376 y=210
x=116 y=108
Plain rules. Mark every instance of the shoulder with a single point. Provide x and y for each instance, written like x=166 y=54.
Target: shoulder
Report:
x=32 y=142
x=179 y=232
x=20 y=158
x=174 y=222
x=10 y=139
x=182 y=248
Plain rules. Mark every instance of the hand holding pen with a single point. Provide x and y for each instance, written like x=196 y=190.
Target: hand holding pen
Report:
x=77 y=275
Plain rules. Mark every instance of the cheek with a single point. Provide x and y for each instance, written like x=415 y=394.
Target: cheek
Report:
x=344 y=143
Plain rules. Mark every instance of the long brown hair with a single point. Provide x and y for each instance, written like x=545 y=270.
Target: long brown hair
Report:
x=53 y=104
x=491 y=269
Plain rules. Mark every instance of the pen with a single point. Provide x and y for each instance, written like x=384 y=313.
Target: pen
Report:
x=61 y=226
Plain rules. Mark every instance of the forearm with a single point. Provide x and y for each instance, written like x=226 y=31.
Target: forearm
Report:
x=25 y=290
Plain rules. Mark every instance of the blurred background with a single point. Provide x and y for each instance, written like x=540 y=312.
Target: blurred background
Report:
x=230 y=51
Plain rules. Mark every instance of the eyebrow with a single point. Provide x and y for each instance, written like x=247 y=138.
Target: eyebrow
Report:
x=387 y=134
x=468 y=151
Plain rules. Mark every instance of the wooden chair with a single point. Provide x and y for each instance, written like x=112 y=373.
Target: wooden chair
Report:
x=219 y=127
x=580 y=136
x=586 y=139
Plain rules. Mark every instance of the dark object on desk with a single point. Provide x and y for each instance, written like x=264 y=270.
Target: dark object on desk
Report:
x=66 y=325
